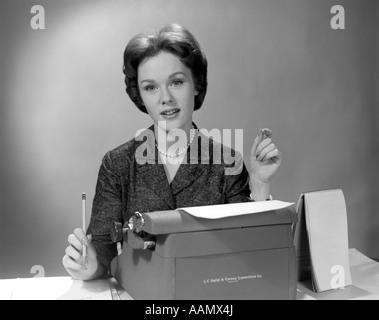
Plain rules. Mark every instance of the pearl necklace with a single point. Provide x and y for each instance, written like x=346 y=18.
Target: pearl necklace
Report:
x=173 y=155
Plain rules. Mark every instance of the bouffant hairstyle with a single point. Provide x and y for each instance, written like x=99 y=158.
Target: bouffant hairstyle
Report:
x=174 y=39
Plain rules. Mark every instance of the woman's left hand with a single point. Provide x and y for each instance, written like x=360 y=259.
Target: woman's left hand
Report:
x=265 y=158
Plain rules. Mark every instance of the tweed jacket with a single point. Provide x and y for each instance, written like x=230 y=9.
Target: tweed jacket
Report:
x=132 y=178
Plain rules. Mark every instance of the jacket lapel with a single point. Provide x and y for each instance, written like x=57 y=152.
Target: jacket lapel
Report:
x=191 y=170
x=152 y=173
x=185 y=177
x=154 y=178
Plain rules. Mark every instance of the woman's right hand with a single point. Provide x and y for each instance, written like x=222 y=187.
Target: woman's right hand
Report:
x=76 y=266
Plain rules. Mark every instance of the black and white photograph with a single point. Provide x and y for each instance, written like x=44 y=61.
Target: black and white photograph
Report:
x=189 y=150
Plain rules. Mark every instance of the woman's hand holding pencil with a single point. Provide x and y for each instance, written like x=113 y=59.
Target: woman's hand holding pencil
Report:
x=80 y=259
x=78 y=266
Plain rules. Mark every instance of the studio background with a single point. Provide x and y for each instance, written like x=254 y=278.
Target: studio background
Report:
x=272 y=63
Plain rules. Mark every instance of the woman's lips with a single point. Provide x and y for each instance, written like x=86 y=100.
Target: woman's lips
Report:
x=170 y=113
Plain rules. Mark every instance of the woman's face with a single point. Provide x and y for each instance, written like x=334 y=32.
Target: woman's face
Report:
x=167 y=90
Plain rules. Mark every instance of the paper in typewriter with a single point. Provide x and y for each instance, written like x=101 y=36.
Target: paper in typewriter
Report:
x=235 y=209
x=326 y=222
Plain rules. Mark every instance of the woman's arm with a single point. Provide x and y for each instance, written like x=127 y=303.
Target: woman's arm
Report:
x=101 y=250
x=265 y=160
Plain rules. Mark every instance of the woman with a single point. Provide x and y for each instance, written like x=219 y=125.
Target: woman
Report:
x=171 y=164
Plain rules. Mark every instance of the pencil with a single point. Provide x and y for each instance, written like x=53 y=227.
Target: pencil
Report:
x=84 y=253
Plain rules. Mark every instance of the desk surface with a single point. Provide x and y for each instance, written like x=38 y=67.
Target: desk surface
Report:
x=364 y=273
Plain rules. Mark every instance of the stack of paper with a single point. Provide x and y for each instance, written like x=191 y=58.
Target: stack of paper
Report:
x=303 y=258
x=326 y=228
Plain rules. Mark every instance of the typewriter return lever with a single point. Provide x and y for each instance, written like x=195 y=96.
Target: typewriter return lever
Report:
x=132 y=233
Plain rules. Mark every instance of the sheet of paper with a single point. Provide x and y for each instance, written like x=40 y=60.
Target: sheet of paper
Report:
x=235 y=209
x=6 y=288
x=61 y=288
x=326 y=221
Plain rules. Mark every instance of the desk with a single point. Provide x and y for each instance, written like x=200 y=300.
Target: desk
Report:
x=56 y=288
x=364 y=273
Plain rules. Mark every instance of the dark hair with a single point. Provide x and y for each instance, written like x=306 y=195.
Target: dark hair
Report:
x=175 y=39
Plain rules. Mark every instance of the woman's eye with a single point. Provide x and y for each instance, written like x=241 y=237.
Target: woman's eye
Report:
x=149 y=88
x=177 y=83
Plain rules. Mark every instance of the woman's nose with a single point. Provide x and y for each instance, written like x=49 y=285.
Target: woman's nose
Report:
x=166 y=97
